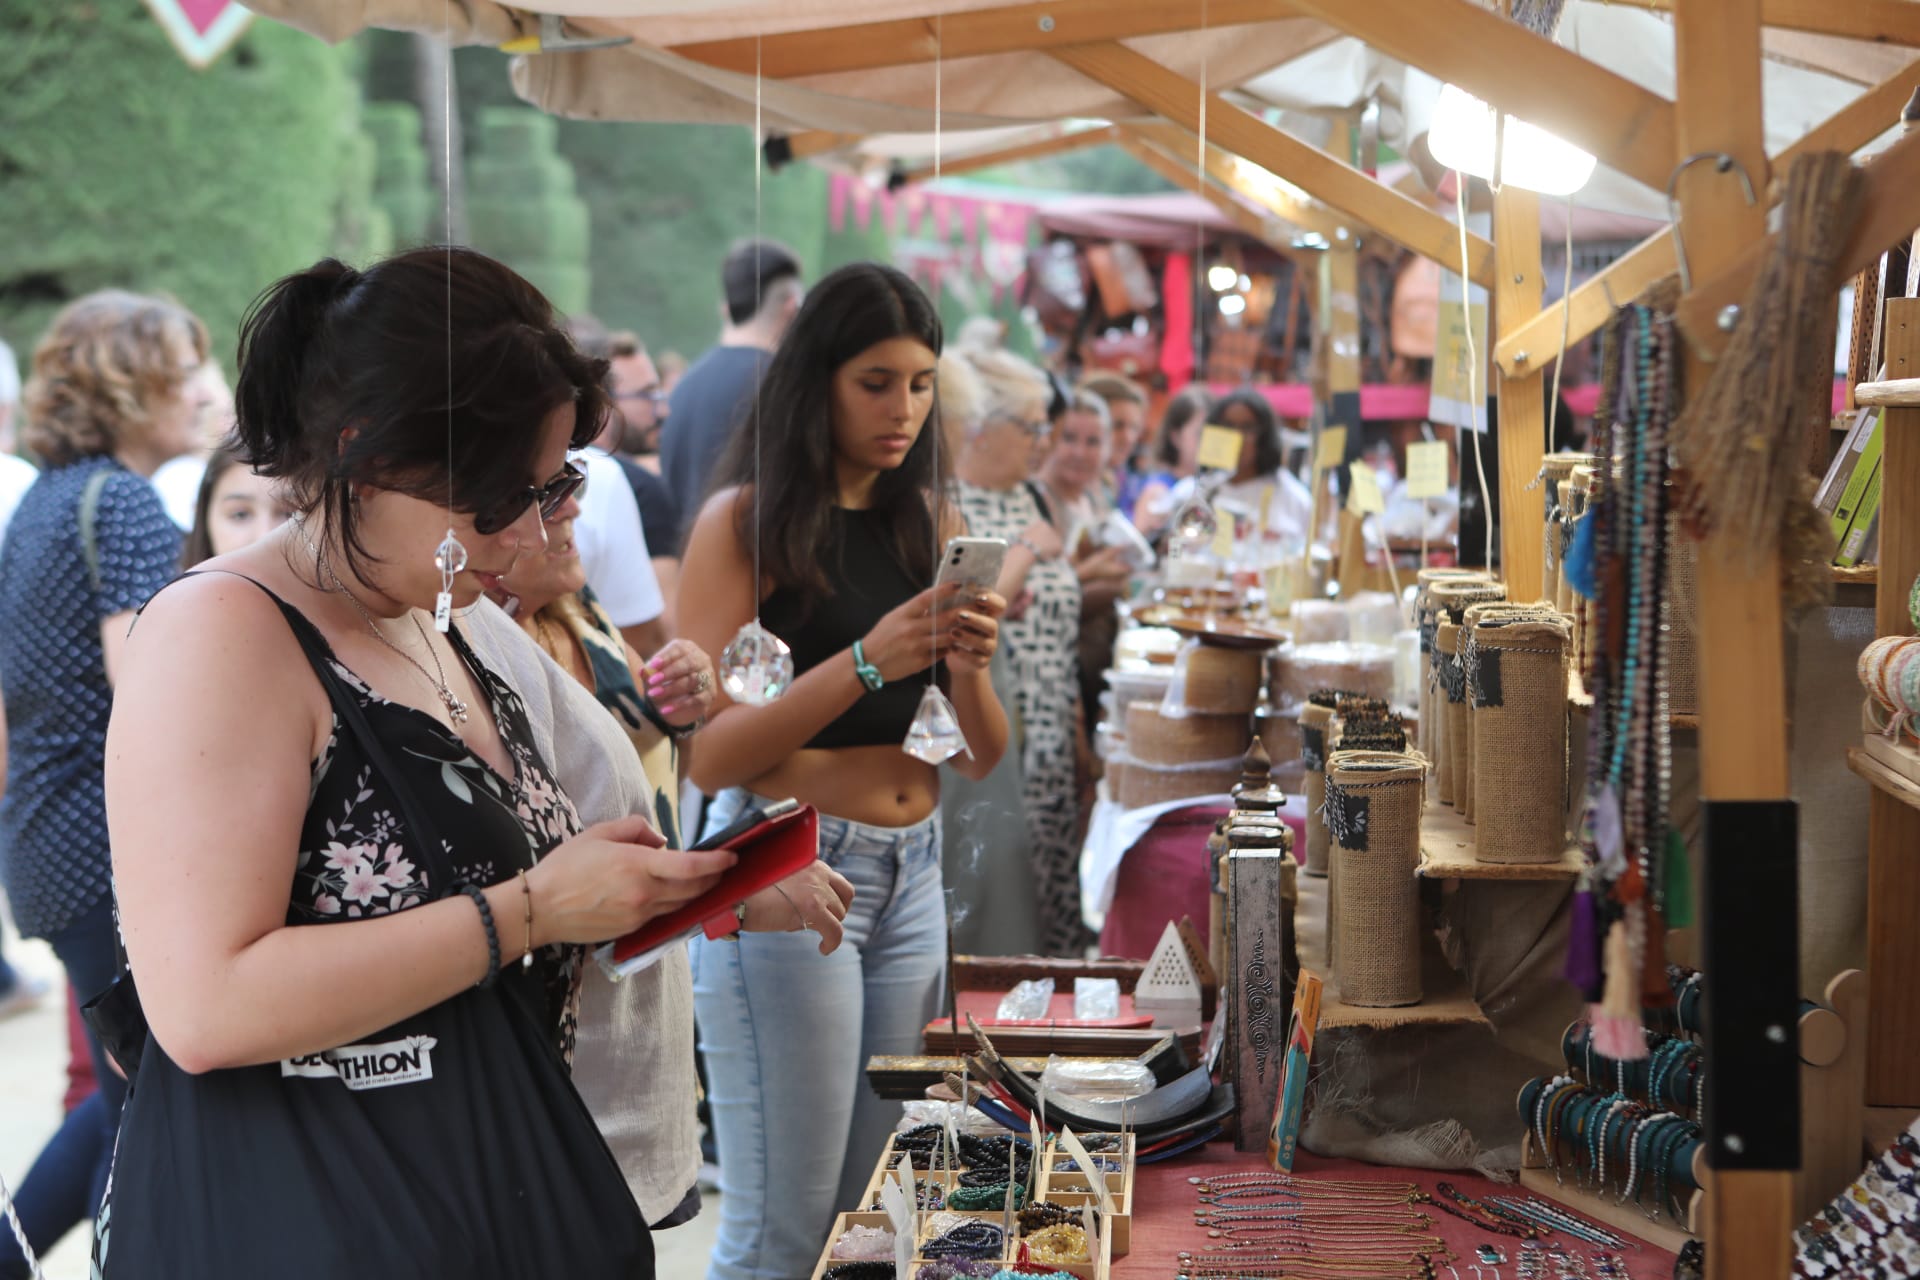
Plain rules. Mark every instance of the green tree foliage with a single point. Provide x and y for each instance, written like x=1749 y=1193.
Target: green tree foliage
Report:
x=522 y=207
x=122 y=166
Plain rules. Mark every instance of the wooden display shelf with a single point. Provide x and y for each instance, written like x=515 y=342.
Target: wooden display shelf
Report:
x=1901 y=789
x=1627 y=1219
x=1447 y=1000
x=1862 y=575
x=1896 y=393
x=1447 y=853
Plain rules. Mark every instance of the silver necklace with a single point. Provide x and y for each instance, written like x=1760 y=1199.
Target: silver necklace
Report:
x=457 y=711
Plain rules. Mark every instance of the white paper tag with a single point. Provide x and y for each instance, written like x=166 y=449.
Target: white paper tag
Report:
x=1092 y=1221
x=913 y=1186
x=443 y=612
x=1096 y=1177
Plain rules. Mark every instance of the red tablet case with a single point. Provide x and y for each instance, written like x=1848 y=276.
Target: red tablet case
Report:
x=768 y=853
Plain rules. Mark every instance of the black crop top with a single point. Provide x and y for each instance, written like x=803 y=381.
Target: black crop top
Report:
x=867 y=584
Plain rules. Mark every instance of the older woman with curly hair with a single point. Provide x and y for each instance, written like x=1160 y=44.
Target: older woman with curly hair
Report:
x=112 y=395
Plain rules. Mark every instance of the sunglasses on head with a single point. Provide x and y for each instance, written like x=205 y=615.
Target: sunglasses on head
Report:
x=551 y=496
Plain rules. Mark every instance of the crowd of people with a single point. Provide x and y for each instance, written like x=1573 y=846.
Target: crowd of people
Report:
x=424 y=702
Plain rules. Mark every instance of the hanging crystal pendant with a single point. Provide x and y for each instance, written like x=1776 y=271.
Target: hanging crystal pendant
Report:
x=450 y=557
x=756 y=667
x=934 y=735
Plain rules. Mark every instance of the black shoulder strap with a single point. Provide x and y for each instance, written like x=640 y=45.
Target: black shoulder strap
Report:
x=346 y=704
x=1040 y=501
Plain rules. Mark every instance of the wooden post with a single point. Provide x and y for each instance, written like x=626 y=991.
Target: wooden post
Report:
x=1893 y=825
x=1743 y=740
x=1517 y=297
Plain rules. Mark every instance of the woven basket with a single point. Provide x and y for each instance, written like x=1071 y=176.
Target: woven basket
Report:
x=1373 y=817
x=1153 y=738
x=1224 y=681
x=1316 y=728
x=1683 y=626
x=1517 y=680
x=1144 y=784
x=1448 y=691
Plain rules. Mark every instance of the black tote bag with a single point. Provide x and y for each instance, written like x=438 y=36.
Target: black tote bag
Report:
x=450 y=1144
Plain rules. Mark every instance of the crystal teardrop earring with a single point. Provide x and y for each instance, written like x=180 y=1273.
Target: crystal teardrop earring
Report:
x=450 y=557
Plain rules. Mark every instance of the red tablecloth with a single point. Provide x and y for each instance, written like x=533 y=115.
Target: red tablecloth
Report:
x=1162 y=878
x=1164 y=1201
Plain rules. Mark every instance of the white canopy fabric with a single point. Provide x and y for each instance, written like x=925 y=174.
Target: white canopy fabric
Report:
x=1297 y=66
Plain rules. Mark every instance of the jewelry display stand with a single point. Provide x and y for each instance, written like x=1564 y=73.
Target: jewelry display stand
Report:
x=1604 y=1208
x=1063 y=1185
x=1056 y=1185
x=1447 y=999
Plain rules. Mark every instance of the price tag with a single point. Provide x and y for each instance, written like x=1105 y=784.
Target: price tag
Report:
x=1219 y=448
x=1332 y=450
x=1222 y=533
x=1366 y=498
x=911 y=1184
x=1427 y=469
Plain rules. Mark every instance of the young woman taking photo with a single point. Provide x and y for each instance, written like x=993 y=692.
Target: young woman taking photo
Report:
x=352 y=895
x=834 y=476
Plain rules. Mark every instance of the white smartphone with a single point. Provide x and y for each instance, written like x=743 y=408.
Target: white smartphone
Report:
x=973 y=561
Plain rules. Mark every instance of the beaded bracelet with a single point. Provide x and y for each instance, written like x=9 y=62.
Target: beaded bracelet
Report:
x=493 y=937
x=859 y=1271
x=1045 y=1213
x=1061 y=1243
x=974 y=1199
x=973 y=1239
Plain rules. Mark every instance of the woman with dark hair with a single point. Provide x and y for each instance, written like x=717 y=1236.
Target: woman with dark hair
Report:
x=351 y=893
x=828 y=527
x=236 y=506
x=112 y=395
x=1176 y=451
x=1262 y=465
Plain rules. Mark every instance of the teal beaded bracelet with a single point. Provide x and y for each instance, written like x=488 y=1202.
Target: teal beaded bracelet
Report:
x=868 y=673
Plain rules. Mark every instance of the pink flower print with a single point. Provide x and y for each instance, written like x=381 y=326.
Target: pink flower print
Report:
x=398 y=872
x=344 y=857
x=364 y=884
x=327 y=905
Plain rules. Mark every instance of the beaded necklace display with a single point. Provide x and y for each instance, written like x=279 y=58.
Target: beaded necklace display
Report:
x=1622 y=564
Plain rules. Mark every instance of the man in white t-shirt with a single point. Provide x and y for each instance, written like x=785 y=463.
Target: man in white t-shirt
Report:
x=613 y=549
x=16 y=473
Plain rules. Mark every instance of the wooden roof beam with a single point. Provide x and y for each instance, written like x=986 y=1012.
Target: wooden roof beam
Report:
x=1270 y=231
x=1880 y=21
x=1016 y=28
x=1339 y=185
x=1848 y=129
x=1308 y=215
x=1503 y=63
x=1889 y=214
x=1059 y=145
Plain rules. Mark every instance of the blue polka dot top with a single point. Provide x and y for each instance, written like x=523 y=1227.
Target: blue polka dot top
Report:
x=53 y=821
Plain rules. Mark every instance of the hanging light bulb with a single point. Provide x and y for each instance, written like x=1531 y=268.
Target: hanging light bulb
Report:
x=1461 y=136
x=1221 y=277
x=934 y=736
x=756 y=667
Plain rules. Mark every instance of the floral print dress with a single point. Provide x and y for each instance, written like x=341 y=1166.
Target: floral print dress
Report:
x=356 y=857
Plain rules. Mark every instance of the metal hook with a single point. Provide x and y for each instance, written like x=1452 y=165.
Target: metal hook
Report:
x=1722 y=162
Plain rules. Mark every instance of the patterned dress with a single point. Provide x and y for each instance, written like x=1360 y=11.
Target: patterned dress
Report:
x=1042 y=645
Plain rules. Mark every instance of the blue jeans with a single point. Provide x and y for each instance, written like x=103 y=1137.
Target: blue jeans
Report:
x=64 y=1186
x=787 y=1033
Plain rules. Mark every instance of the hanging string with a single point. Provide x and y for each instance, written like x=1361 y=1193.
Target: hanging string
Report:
x=939 y=279
x=1474 y=407
x=758 y=302
x=1566 y=316
x=1197 y=276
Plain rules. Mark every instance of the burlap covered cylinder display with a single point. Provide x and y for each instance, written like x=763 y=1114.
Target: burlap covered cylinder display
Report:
x=1562 y=596
x=1424 y=619
x=1453 y=599
x=1517 y=680
x=1463 y=767
x=1316 y=724
x=1450 y=689
x=1373 y=821
x=1555 y=469
x=1156 y=738
x=1222 y=681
